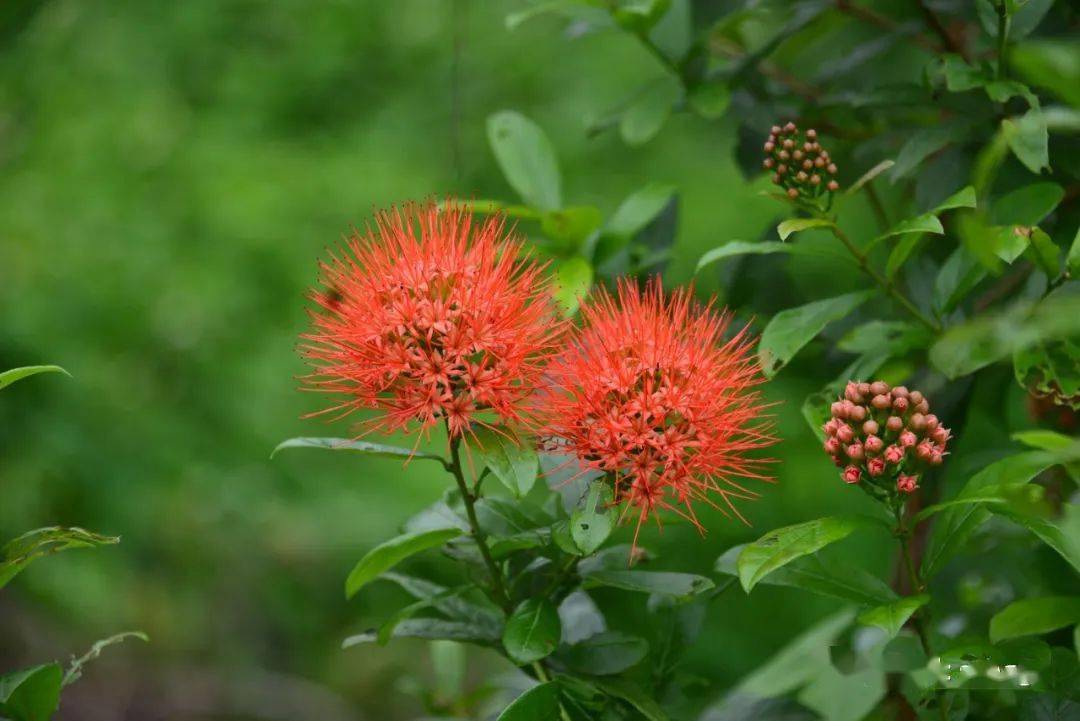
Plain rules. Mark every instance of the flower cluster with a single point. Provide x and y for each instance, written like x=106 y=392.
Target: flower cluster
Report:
x=650 y=393
x=800 y=165
x=878 y=433
x=430 y=318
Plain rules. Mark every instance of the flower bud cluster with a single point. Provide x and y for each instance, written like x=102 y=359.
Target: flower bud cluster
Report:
x=799 y=164
x=878 y=433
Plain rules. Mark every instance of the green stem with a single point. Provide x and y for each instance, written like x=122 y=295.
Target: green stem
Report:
x=886 y=285
x=542 y=677
x=1003 y=39
x=469 y=498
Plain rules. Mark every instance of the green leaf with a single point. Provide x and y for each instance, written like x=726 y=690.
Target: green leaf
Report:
x=648 y=111
x=680 y=585
x=571 y=226
x=572 y=282
x=1028 y=138
x=526 y=158
x=967 y=347
x=963 y=198
x=633 y=694
x=900 y=253
x=893 y=337
x=432 y=629
x=605 y=653
x=1044 y=439
x=893 y=616
x=988 y=495
x=840 y=696
x=1028 y=205
x=1072 y=262
x=532 y=631
x=1063 y=536
x=387 y=555
x=639 y=209
x=783 y=545
x=958 y=276
x=795 y=225
x=921 y=145
x=593 y=520
x=798 y=662
x=791 y=329
x=19 y=553
x=510 y=459
x=346 y=444
x=961 y=77
x=955 y=525
x=869 y=175
x=539 y=703
x=17 y=374
x=32 y=694
x=925 y=223
x=741 y=247
x=449 y=602
x=1034 y=616
x=710 y=100
x=74 y=672
x=811 y=573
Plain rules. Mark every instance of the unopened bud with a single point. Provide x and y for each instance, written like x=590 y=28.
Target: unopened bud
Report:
x=881 y=402
x=900 y=392
x=857 y=413
x=851 y=474
x=879 y=388
x=851 y=392
x=894 y=424
x=770 y=146
x=815 y=179
x=845 y=434
x=792 y=193
x=875 y=466
x=900 y=404
x=873 y=444
x=832 y=446
x=924 y=451
x=833 y=186
x=907 y=484
x=915 y=397
x=855 y=451
x=908 y=439
x=917 y=422
x=870 y=428
x=894 y=454
x=811 y=133
x=831 y=168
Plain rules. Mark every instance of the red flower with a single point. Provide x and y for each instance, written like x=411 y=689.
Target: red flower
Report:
x=430 y=316
x=650 y=393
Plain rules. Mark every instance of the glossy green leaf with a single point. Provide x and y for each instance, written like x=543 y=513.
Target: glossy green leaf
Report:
x=988 y=495
x=1034 y=616
x=648 y=111
x=1044 y=439
x=532 y=631
x=796 y=225
x=710 y=100
x=432 y=629
x=921 y=145
x=16 y=374
x=958 y=276
x=387 y=555
x=893 y=616
x=31 y=694
x=893 y=337
x=1028 y=138
x=926 y=223
x=1028 y=205
x=573 y=278
x=1072 y=261
x=639 y=209
x=798 y=662
x=593 y=519
x=1061 y=535
x=539 y=703
x=450 y=602
x=955 y=525
x=960 y=76
x=741 y=247
x=633 y=694
x=811 y=573
x=510 y=459
x=783 y=545
x=901 y=252
x=571 y=226
x=791 y=329
x=346 y=444
x=680 y=585
x=963 y=198
x=605 y=653
x=17 y=554
x=526 y=158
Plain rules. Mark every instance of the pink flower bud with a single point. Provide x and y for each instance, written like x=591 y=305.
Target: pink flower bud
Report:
x=873 y=444
x=917 y=422
x=907 y=484
x=932 y=422
x=864 y=388
x=900 y=392
x=922 y=407
x=879 y=388
x=851 y=474
x=940 y=435
x=875 y=466
x=900 y=404
x=851 y=392
x=894 y=424
x=857 y=413
x=844 y=433
x=894 y=454
x=937 y=458
x=838 y=409
x=908 y=439
x=924 y=451
x=855 y=451
x=870 y=427
x=830 y=427
x=916 y=397
x=832 y=446
x=881 y=402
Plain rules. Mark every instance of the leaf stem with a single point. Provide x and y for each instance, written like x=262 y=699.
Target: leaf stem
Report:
x=542 y=677
x=886 y=285
x=1002 y=38
x=469 y=498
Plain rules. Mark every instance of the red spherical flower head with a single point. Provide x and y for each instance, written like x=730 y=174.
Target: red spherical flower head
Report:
x=431 y=317
x=651 y=393
x=884 y=434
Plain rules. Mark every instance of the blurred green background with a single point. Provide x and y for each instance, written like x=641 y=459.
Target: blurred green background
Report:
x=169 y=174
